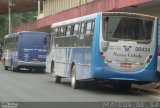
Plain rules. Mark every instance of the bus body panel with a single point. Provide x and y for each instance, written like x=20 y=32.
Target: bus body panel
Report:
x=65 y=57
x=31 y=51
x=103 y=70
x=158 y=63
x=27 y=55
x=91 y=63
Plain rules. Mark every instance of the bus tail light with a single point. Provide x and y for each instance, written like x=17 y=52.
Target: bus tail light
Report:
x=102 y=55
x=158 y=52
x=148 y=59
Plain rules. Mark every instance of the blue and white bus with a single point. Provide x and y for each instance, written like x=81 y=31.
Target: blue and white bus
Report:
x=24 y=50
x=117 y=47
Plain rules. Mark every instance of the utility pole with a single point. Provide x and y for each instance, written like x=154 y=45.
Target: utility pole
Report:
x=39 y=7
x=9 y=17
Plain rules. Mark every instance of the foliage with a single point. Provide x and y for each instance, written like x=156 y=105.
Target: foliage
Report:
x=17 y=20
x=3 y=26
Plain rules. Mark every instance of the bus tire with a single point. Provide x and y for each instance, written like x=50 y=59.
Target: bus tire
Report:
x=57 y=79
x=15 y=69
x=75 y=84
x=5 y=67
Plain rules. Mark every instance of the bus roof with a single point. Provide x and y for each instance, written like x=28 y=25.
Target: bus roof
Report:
x=127 y=14
x=14 y=34
x=84 y=18
x=93 y=16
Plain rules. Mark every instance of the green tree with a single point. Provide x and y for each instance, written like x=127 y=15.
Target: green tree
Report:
x=28 y=17
x=3 y=26
x=17 y=20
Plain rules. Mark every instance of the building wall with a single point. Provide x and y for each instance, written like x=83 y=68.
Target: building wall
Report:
x=45 y=22
x=51 y=7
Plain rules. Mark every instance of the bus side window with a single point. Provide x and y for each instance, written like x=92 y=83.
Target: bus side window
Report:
x=60 y=38
x=13 y=43
x=66 y=38
x=76 y=30
x=6 y=43
x=82 y=33
x=9 y=43
x=75 y=37
x=54 y=34
x=88 y=27
x=68 y=32
x=89 y=34
x=16 y=42
x=93 y=26
x=64 y=31
x=82 y=29
x=61 y=31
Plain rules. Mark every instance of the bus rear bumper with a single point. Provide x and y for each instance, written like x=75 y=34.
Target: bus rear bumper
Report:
x=31 y=64
x=138 y=76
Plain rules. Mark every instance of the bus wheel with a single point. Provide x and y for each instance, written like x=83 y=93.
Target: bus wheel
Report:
x=57 y=79
x=75 y=84
x=5 y=67
x=15 y=69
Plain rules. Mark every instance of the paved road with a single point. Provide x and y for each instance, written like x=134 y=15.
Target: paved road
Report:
x=39 y=87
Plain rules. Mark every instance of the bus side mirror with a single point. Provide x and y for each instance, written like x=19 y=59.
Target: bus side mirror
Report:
x=104 y=45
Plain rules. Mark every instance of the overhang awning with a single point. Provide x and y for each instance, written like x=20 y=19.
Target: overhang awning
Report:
x=89 y=8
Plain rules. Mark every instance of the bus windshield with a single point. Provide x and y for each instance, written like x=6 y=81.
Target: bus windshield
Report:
x=132 y=29
x=32 y=40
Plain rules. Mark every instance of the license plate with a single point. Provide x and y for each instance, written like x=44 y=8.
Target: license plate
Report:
x=34 y=59
x=126 y=65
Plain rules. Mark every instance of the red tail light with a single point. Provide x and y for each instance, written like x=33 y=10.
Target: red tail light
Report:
x=148 y=59
x=158 y=52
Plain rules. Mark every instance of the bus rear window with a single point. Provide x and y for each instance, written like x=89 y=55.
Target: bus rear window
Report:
x=125 y=28
x=32 y=39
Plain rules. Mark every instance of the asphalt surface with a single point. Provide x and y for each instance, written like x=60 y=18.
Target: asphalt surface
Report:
x=28 y=86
